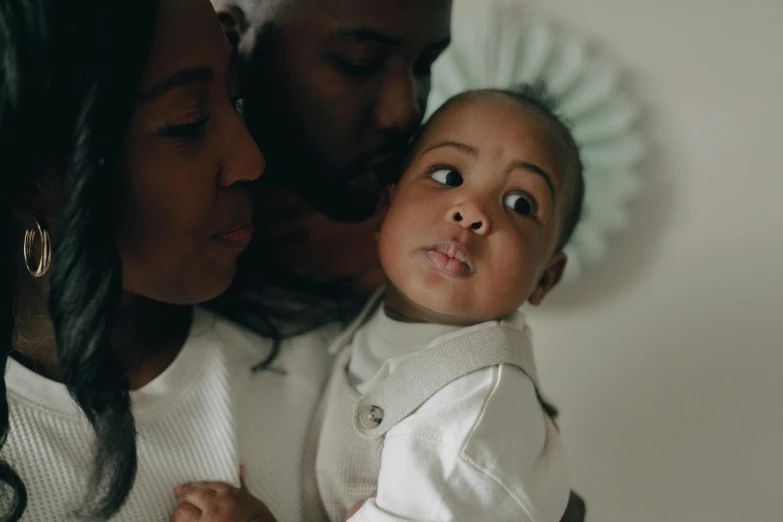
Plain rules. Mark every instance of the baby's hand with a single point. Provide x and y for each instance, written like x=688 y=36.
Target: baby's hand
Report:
x=218 y=502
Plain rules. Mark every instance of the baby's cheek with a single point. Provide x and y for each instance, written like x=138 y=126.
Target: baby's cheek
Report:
x=512 y=281
x=393 y=239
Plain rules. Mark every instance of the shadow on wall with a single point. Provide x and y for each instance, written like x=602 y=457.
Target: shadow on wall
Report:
x=632 y=251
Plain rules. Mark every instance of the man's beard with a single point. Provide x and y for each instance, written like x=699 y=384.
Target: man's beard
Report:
x=345 y=189
x=342 y=194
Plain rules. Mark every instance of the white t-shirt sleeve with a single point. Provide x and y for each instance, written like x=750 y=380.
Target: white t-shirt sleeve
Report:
x=480 y=449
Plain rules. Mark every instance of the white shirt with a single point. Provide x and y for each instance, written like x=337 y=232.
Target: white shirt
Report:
x=480 y=449
x=199 y=420
x=382 y=344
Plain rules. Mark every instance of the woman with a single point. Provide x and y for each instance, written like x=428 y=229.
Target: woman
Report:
x=125 y=172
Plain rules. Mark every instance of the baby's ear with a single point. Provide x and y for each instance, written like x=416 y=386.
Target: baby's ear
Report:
x=550 y=278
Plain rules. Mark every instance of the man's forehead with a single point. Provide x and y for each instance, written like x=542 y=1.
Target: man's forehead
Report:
x=399 y=19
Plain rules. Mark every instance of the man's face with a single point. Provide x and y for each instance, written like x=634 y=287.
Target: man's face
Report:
x=335 y=88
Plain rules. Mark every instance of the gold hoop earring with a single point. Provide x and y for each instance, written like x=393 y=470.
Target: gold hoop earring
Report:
x=40 y=268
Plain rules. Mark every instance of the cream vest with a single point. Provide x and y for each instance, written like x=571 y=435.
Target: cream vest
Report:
x=346 y=436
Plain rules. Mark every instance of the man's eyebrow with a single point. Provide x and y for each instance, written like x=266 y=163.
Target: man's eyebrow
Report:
x=455 y=144
x=178 y=79
x=366 y=35
x=535 y=169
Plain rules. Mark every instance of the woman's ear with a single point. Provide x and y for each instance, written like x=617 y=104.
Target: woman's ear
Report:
x=41 y=192
x=550 y=278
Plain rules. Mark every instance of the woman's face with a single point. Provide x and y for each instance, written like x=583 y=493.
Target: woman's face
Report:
x=187 y=210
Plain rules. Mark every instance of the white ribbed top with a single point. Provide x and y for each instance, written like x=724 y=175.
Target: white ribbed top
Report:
x=198 y=420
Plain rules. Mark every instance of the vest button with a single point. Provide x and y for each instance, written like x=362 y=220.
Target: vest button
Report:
x=371 y=416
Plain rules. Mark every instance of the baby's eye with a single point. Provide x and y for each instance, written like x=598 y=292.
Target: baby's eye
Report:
x=449 y=177
x=523 y=204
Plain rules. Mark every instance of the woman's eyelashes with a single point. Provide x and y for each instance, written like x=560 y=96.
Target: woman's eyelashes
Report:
x=187 y=133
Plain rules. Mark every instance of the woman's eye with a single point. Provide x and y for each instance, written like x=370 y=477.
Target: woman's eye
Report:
x=521 y=203
x=189 y=132
x=449 y=177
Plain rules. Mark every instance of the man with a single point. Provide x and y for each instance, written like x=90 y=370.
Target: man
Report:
x=333 y=91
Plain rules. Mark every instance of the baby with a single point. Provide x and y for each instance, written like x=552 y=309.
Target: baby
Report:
x=433 y=410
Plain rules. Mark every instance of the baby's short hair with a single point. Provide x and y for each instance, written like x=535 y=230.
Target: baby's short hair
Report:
x=537 y=98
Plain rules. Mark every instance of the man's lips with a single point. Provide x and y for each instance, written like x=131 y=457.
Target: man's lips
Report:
x=367 y=184
x=381 y=162
x=385 y=168
x=451 y=258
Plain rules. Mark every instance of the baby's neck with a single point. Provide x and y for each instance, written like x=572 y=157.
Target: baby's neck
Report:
x=399 y=307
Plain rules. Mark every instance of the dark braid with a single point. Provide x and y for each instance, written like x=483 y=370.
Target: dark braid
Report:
x=68 y=86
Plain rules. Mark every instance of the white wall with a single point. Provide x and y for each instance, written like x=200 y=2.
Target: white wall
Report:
x=667 y=362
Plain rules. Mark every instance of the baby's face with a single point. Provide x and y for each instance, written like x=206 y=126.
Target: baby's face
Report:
x=471 y=228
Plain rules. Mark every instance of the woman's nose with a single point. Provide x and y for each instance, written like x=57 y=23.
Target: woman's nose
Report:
x=244 y=161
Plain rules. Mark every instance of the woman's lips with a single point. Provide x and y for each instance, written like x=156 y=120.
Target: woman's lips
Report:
x=238 y=237
x=453 y=259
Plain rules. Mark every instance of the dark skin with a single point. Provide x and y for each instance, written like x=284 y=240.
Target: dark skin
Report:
x=509 y=182
x=504 y=203
x=233 y=21
x=185 y=138
x=187 y=205
x=351 y=80
x=146 y=337
x=218 y=501
x=301 y=230
x=336 y=137
x=334 y=90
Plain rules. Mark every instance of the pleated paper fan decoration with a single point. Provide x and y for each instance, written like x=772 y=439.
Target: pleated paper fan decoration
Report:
x=497 y=44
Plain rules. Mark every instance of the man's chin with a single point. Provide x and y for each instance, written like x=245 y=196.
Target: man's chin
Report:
x=350 y=202
x=347 y=194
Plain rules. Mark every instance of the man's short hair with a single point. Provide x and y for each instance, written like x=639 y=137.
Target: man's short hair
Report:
x=262 y=11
